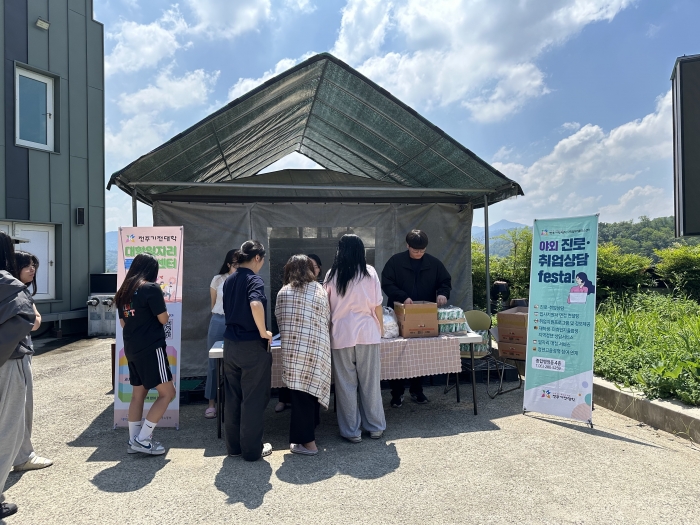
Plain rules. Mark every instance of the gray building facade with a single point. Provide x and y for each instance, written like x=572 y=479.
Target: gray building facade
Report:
x=52 y=145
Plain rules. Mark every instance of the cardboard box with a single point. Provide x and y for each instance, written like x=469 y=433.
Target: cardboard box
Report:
x=511 y=350
x=513 y=318
x=418 y=319
x=508 y=334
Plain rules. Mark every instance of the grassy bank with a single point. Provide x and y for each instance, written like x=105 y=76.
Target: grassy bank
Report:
x=650 y=342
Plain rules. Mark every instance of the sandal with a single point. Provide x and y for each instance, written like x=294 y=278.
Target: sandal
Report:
x=210 y=413
x=301 y=449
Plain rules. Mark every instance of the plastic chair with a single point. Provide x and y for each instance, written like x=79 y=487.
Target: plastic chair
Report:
x=480 y=321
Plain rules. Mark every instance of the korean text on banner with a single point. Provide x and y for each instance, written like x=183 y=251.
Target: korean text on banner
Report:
x=561 y=318
x=165 y=244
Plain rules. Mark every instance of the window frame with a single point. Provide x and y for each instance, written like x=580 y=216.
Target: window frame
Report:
x=50 y=82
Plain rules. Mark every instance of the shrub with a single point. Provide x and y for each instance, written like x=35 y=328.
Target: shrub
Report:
x=679 y=266
x=619 y=271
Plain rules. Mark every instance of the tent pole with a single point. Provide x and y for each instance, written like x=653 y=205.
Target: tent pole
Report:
x=134 y=215
x=486 y=254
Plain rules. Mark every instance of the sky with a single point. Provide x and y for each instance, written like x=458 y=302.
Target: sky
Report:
x=569 y=98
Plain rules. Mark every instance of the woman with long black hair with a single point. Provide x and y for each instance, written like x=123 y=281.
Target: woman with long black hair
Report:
x=27 y=459
x=247 y=359
x=355 y=297
x=17 y=319
x=217 y=326
x=142 y=314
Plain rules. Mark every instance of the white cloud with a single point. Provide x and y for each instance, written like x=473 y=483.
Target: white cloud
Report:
x=136 y=136
x=142 y=46
x=305 y=6
x=480 y=54
x=363 y=28
x=579 y=164
x=571 y=126
x=293 y=161
x=503 y=153
x=170 y=92
x=652 y=30
x=229 y=18
x=244 y=85
x=620 y=177
x=640 y=200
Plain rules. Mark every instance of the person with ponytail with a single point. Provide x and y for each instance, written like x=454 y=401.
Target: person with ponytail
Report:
x=142 y=314
x=27 y=459
x=217 y=326
x=247 y=357
x=18 y=317
x=355 y=297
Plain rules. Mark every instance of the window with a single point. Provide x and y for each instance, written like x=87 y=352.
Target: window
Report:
x=34 y=110
x=42 y=243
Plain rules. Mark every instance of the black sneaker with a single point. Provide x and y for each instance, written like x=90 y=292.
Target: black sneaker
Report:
x=7 y=509
x=396 y=402
x=419 y=398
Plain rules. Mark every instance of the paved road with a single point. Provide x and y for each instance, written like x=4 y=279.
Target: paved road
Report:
x=437 y=464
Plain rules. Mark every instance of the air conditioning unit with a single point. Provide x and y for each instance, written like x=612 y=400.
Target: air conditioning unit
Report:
x=102 y=315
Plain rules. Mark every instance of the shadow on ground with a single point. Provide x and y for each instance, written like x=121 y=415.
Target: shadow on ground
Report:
x=244 y=481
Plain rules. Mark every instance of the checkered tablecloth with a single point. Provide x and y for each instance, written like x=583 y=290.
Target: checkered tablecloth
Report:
x=402 y=358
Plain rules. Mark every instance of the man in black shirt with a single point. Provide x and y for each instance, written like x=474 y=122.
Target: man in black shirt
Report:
x=410 y=276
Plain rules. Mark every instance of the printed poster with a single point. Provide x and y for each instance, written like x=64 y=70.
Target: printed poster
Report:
x=165 y=243
x=561 y=318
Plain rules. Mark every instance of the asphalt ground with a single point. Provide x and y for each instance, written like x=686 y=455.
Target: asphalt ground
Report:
x=437 y=463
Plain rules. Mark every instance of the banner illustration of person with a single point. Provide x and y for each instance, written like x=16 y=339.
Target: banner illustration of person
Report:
x=164 y=243
x=561 y=318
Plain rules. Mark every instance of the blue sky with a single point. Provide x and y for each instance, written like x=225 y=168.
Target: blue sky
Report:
x=570 y=98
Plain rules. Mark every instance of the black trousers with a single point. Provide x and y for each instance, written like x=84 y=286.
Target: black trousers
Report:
x=284 y=396
x=305 y=417
x=398 y=386
x=247 y=379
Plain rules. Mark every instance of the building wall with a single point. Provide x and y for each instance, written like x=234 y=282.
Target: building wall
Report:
x=46 y=188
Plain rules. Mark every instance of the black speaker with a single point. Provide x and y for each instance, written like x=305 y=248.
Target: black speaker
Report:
x=80 y=216
x=685 y=80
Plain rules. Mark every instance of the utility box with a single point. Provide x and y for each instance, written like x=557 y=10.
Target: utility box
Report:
x=102 y=315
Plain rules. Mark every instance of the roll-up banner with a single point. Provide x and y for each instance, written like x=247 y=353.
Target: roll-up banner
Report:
x=165 y=244
x=561 y=318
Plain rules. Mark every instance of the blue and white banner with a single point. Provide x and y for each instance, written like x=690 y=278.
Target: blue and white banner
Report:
x=561 y=318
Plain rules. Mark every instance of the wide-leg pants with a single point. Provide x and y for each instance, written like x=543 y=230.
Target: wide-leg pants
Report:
x=305 y=417
x=357 y=369
x=13 y=393
x=247 y=380
x=26 y=451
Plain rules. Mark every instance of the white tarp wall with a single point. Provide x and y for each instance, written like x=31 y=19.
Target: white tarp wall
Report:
x=210 y=230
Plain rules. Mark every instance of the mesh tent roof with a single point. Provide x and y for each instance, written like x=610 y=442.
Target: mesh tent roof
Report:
x=327 y=111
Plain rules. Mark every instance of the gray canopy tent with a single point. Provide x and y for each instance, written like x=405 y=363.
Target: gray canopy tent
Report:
x=387 y=170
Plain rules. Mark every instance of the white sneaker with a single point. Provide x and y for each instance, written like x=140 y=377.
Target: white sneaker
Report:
x=267 y=449
x=147 y=447
x=34 y=463
x=130 y=450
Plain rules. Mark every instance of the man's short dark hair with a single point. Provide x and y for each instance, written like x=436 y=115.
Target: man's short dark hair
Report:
x=417 y=239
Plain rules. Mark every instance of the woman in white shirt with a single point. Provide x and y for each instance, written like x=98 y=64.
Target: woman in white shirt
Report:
x=217 y=326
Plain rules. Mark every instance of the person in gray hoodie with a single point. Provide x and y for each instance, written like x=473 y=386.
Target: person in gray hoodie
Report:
x=17 y=319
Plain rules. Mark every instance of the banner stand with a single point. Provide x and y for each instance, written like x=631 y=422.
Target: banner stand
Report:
x=164 y=243
x=561 y=318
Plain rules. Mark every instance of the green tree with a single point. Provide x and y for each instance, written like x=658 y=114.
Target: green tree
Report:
x=515 y=267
